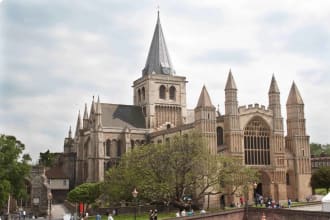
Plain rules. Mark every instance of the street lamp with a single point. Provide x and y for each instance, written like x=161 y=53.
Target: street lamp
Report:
x=134 y=194
x=255 y=193
x=50 y=197
x=255 y=185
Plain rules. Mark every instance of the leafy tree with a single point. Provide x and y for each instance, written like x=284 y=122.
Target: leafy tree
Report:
x=321 y=178
x=171 y=172
x=320 y=149
x=46 y=159
x=86 y=193
x=14 y=169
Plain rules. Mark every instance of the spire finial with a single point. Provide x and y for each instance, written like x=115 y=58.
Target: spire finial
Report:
x=70 y=133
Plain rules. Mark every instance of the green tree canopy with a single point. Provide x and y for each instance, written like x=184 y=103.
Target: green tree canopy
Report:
x=320 y=149
x=173 y=171
x=321 y=178
x=46 y=159
x=86 y=193
x=14 y=168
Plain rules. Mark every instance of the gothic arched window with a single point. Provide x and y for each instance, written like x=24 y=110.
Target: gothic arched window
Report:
x=139 y=95
x=219 y=136
x=119 y=148
x=162 y=90
x=172 y=92
x=256 y=142
x=107 y=148
x=143 y=94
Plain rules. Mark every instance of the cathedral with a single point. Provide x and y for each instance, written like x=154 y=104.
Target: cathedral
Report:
x=254 y=133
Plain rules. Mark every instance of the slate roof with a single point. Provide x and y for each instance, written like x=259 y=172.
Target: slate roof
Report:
x=158 y=60
x=56 y=173
x=114 y=115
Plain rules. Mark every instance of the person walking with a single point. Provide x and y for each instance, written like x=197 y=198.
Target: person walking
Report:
x=110 y=217
x=289 y=203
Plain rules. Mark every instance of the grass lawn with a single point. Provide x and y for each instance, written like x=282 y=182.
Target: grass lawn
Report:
x=321 y=191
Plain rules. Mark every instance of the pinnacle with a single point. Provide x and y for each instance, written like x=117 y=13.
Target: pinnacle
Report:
x=230 y=81
x=294 y=96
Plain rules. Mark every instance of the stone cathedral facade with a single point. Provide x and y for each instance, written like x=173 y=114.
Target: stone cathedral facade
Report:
x=254 y=133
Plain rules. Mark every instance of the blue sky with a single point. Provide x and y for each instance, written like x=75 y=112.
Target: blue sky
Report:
x=56 y=55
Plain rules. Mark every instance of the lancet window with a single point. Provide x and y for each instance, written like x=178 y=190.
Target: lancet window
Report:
x=162 y=91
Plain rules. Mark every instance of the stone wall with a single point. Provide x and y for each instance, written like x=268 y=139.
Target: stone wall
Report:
x=255 y=214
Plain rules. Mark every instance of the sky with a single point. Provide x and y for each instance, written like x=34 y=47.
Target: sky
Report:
x=56 y=55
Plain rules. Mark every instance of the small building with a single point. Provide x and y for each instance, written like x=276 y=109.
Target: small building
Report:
x=58 y=183
x=320 y=161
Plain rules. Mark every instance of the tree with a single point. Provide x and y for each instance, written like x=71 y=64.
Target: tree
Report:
x=174 y=171
x=321 y=178
x=86 y=193
x=14 y=169
x=46 y=159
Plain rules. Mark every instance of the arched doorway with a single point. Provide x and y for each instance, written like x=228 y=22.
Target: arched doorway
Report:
x=264 y=187
x=258 y=189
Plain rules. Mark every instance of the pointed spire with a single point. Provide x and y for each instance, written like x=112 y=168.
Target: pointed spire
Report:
x=273 y=86
x=70 y=133
x=78 y=126
x=158 y=60
x=92 y=108
x=294 y=96
x=85 y=112
x=230 y=81
x=98 y=106
x=204 y=99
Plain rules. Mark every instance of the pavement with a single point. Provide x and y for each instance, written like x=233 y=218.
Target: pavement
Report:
x=317 y=207
x=59 y=212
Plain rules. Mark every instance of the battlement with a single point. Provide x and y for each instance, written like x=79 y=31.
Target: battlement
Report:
x=254 y=108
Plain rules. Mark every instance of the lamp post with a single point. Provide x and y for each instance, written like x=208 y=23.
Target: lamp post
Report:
x=50 y=197
x=255 y=185
x=134 y=194
x=255 y=193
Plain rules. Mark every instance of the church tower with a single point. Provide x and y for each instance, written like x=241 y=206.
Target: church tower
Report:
x=232 y=131
x=160 y=93
x=297 y=144
x=96 y=152
x=205 y=120
x=277 y=142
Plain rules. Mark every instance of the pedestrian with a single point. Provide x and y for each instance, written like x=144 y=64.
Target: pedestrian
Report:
x=183 y=213
x=289 y=203
x=241 y=200
x=151 y=215
x=110 y=217
x=24 y=213
x=155 y=214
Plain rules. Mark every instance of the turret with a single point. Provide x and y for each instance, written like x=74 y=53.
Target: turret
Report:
x=205 y=119
x=295 y=113
x=275 y=105
x=232 y=130
x=297 y=143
